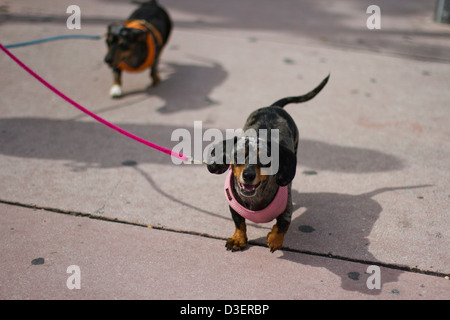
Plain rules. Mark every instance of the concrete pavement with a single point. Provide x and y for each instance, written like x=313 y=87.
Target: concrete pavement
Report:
x=372 y=184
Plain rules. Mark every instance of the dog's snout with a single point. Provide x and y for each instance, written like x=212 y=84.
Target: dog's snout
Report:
x=108 y=59
x=249 y=175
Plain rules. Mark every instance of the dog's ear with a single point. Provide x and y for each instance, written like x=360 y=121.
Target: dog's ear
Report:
x=114 y=27
x=219 y=156
x=287 y=168
x=137 y=35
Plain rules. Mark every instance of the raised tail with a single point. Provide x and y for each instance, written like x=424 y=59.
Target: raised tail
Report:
x=282 y=102
x=142 y=2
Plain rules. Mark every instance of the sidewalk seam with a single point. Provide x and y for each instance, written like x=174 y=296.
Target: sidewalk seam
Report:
x=206 y=235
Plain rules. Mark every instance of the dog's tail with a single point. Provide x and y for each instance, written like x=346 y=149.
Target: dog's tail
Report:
x=142 y=2
x=282 y=102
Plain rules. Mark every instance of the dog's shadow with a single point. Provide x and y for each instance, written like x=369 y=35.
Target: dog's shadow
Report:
x=186 y=86
x=333 y=232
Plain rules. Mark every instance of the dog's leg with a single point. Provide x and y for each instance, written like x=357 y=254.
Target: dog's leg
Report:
x=116 y=89
x=154 y=72
x=275 y=238
x=239 y=239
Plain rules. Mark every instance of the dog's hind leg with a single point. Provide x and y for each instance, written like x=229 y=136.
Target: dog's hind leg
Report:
x=154 y=74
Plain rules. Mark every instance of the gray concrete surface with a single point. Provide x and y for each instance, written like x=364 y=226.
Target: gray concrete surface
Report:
x=377 y=138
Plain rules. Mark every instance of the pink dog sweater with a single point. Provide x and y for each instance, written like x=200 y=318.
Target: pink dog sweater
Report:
x=273 y=210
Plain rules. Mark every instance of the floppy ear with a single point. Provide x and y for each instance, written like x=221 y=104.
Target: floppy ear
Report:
x=219 y=158
x=137 y=35
x=287 y=168
x=114 y=27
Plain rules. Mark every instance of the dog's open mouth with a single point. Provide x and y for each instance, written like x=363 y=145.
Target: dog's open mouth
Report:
x=248 y=189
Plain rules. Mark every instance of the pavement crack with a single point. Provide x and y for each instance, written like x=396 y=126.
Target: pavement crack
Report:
x=206 y=235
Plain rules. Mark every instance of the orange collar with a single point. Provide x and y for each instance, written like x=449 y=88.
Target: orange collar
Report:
x=149 y=29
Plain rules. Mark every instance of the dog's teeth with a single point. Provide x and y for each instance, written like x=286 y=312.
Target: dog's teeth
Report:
x=249 y=187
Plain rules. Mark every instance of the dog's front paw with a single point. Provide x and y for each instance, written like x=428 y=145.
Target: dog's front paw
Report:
x=234 y=244
x=275 y=239
x=115 y=91
x=237 y=242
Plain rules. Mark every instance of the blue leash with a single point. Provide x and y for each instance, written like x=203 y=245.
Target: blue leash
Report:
x=70 y=36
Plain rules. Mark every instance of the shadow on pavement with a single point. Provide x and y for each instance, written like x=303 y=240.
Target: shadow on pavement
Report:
x=90 y=144
x=338 y=225
x=323 y=156
x=188 y=89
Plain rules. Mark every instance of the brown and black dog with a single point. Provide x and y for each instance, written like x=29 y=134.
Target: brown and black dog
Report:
x=136 y=44
x=250 y=191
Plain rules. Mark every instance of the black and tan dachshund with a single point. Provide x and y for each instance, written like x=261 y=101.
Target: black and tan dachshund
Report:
x=136 y=44
x=252 y=192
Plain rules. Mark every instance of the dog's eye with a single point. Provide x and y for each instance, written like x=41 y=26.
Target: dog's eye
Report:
x=239 y=157
x=111 y=39
x=124 y=46
x=266 y=165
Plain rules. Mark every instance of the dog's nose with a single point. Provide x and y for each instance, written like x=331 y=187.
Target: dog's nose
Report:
x=249 y=175
x=108 y=59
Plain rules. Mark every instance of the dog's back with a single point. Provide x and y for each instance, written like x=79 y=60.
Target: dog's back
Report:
x=152 y=12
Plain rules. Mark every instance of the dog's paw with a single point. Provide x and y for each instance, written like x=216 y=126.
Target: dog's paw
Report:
x=155 y=80
x=275 y=239
x=115 y=91
x=236 y=242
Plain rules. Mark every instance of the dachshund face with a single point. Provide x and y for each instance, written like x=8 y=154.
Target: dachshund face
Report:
x=248 y=168
x=121 y=42
x=249 y=179
x=256 y=163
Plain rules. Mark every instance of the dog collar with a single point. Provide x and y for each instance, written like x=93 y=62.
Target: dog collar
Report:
x=153 y=37
x=273 y=210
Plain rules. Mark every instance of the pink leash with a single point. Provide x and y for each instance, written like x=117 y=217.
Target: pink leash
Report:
x=93 y=115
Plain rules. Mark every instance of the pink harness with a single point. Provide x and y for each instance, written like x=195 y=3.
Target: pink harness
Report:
x=273 y=210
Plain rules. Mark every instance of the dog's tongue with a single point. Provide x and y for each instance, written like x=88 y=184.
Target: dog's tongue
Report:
x=248 y=187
